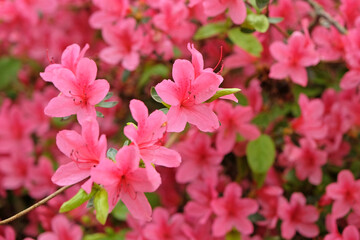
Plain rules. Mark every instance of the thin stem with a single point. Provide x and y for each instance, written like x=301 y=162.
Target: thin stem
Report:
x=172 y=139
x=321 y=12
x=41 y=202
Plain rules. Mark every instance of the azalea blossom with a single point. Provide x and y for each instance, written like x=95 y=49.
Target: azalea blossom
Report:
x=149 y=136
x=86 y=151
x=125 y=181
x=186 y=95
x=80 y=92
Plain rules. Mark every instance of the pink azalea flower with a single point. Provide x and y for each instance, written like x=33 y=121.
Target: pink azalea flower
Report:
x=125 y=181
x=110 y=11
x=164 y=227
x=233 y=211
x=199 y=158
x=345 y=193
x=202 y=193
x=86 y=151
x=237 y=9
x=311 y=122
x=234 y=120
x=269 y=198
x=308 y=160
x=39 y=183
x=69 y=59
x=125 y=43
x=7 y=233
x=349 y=233
x=186 y=96
x=330 y=43
x=62 y=229
x=80 y=92
x=148 y=136
x=293 y=58
x=296 y=216
x=173 y=20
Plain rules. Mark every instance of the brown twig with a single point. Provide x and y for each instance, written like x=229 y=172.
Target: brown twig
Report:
x=41 y=202
x=321 y=12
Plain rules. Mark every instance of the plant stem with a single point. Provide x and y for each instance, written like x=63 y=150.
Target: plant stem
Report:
x=321 y=12
x=41 y=202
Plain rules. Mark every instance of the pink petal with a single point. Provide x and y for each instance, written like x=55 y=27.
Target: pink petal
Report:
x=48 y=75
x=177 y=119
x=48 y=236
x=248 y=131
x=287 y=230
x=340 y=208
x=65 y=81
x=97 y=91
x=68 y=140
x=279 y=51
x=138 y=110
x=61 y=106
x=162 y=156
x=299 y=75
x=221 y=226
x=225 y=139
x=69 y=174
x=168 y=92
x=183 y=74
x=111 y=55
x=131 y=61
x=86 y=71
x=145 y=179
x=127 y=158
x=243 y=225
x=205 y=86
x=90 y=131
x=350 y=233
x=99 y=19
x=187 y=172
x=130 y=132
x=350 y=80
x=279 y=71
x=237 y=11
x=107 y=174
x=308 y=230
x=196 y=59
x=138 y=207
x=202 y=117
x=70 y=56
x=213 y=7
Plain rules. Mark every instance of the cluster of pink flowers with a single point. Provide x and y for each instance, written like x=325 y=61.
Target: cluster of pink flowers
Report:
x=278 y=159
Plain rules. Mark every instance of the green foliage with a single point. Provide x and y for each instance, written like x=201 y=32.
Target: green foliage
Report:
x=80 y=197
x=263 y=119
x=109 y=234
x=258 y=22
x=248 y=42
x=260 y=156
x=9 y=68
x=101 y=205
x=120 y=211
x=262 y=3
x=111 y=153
x=233 y=235
x=223 y=92
x=150 y=71
x=212 y=29
x=274 y=20
x=157 y=98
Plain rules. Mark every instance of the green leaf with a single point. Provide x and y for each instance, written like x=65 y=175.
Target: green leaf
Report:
x=126 y=143
x=125 y=75
x=9 y=68
x=108 y=96
x=99 y=114
x=111 y=153
x=260 y=154
x=154 y=70
x=274 y=20
x=223 y=92
x=233 y=235
x=164 y=110
x=259 y=22
x=248 y=42
x=256 y=217
x=157 y=98
x=243 y=101
x=101 y=205
x=262 y=3
x=259 y=178
x=211 y=29
x=75 y=201
x=120 y=211
x=107 y=104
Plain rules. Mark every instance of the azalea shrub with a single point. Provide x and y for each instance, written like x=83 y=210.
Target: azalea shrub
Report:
x=174 y=119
